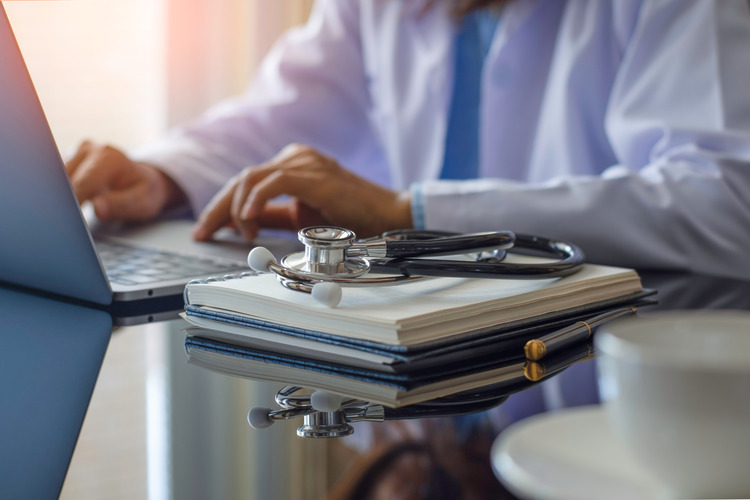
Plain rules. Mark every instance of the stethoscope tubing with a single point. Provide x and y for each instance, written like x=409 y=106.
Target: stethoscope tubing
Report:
x=448 y=410
x=332 y=260
x=293 y=405
x=448 y=244
x=571 y=257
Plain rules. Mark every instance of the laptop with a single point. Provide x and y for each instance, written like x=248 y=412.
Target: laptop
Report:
x=45 y=241
x=49 y=362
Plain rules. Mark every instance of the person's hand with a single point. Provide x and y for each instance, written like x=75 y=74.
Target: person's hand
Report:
x=318 y=190
x=118 y=187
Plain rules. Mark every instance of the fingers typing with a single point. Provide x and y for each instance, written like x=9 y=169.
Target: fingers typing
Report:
x=83 y=150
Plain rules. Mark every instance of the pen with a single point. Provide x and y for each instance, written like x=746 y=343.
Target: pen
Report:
x=536 y=349
x=535 y=371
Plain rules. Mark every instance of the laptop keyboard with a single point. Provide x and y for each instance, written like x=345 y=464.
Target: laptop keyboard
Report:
x=126 y=265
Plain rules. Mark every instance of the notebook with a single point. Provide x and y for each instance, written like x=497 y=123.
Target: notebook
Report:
x=501 y=342
x=411 y=314
x=49 y=362
x=45 y=243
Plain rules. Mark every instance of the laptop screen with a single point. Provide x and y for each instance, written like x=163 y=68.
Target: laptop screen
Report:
x=44 y=242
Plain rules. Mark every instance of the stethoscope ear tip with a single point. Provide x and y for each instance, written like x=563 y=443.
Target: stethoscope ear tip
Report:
x=327 y=293
x=260 y=259
x=325 y=401
x=258 y=418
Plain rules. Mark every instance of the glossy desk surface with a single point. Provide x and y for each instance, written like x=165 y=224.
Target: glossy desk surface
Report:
x=52 y=353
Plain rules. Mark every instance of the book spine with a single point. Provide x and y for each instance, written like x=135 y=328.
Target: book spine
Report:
x=213 y=279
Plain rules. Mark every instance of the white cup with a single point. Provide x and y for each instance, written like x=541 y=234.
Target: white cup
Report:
x=676 y=386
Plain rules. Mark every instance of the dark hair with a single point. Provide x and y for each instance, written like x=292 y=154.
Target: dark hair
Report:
x=431 y=481
x=450 y=464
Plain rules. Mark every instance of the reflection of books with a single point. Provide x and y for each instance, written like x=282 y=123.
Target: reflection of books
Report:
x=410 y=315
x=499 y=374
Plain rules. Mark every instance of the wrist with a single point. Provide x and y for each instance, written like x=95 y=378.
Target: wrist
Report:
x=403 y=212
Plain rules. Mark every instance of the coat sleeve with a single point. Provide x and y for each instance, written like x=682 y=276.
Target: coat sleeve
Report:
x=680 y=109
x=310 y=89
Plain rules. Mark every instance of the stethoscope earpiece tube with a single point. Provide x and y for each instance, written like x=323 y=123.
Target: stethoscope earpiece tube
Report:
x=570 y=259
x=428 y=410
x=470 y=269
x=449 y=245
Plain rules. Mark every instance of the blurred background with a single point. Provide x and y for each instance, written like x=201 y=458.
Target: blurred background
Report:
x=122 y=72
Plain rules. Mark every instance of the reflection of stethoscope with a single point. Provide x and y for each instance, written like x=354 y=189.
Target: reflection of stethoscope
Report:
x=327 y=415
x=334 y=257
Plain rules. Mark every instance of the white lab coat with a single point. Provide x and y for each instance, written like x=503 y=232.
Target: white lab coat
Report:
x=621 y=125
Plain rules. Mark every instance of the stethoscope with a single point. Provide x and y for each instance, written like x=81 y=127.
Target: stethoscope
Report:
x=328 y=415
x=333 y=257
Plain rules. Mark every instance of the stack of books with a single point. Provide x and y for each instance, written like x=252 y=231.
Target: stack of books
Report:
x=396 y=345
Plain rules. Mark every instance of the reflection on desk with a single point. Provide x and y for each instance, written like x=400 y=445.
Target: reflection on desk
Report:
x=50 y=357
x=506 y=372
x=695 y=291
x=72 y=336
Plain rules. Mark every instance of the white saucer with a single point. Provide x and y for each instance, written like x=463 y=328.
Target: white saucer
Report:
x=570 y=454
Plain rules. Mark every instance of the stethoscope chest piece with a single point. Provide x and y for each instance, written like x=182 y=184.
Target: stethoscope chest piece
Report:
x=325 y=425
x=325 y=255
x=315 y=270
